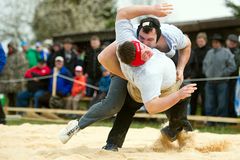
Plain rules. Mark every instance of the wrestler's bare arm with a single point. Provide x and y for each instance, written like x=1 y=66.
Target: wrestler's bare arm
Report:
x=161 y=104
x=109 y=60
x=184 y=55
x=108 y=56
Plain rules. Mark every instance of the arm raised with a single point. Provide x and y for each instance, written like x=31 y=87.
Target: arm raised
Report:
x=131 y=12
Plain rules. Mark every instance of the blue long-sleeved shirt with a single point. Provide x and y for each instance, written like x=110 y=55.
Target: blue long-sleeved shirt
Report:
x=2 y=58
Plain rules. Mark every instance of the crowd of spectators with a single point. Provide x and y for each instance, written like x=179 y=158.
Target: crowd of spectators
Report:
x=37 y=65
x=212 y=57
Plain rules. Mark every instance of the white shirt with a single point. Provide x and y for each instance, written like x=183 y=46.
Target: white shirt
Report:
x=158 y=73
x=174 y=37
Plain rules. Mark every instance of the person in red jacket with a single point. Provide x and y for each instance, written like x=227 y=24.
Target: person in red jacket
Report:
x=35 y=87
x=78 y=90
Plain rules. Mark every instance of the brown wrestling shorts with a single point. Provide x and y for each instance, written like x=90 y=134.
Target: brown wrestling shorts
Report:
x=136 y=95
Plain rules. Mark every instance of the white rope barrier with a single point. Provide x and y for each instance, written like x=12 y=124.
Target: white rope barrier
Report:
x=211 y=79
x=72 y=80
x=25 y=79
x=97 y=88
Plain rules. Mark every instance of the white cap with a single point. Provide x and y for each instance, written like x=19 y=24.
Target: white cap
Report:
x=78 y=68
x=59 y=58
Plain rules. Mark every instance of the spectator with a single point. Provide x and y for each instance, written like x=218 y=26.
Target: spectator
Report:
x=55 y=49
x=104 y=84
x=78 y=89
x=35 y=88
x=14 y=69
x=30 y=54
x=2 y=63
x=70 y=58
x=232 y=44
x=80 y=55
x=200 y=53
x=91 y=65
x=218 y=62
x=63 y=86
x=42 y=52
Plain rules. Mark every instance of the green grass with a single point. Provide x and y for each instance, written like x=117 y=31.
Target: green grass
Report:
x=138 y=123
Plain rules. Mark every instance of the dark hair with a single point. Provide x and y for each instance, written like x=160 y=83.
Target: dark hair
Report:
x=153 y=23
x=126 y=52
x=68 y=41
x=94 y=38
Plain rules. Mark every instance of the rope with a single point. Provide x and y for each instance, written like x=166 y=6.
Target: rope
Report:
x=210 y=79
x=25 y=79
x=96 y=88
x=72 y=80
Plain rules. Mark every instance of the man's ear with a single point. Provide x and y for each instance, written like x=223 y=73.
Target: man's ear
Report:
x=149 y=54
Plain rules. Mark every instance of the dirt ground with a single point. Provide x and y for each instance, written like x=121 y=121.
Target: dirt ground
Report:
x=39 y=142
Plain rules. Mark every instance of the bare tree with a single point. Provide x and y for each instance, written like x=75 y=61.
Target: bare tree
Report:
x=16 y=18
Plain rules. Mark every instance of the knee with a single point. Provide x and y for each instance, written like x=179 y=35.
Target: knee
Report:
x=113 y=105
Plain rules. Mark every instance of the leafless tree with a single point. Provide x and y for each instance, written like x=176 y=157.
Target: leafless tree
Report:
x=16 y=18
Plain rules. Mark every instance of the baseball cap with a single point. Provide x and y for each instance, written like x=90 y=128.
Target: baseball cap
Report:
x=79 y=68
x=59 y=58
x=24 y=43
x=233 y=37
x=137 y=61
x=218 y=37
x=38 y=44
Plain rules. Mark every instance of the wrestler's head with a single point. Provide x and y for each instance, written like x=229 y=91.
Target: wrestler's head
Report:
x=134 y=53
x=148 y=31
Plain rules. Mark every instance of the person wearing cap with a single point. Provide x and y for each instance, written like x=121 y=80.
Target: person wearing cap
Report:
x=35 y=88
x=120 y=83
x=232 y=43
x=70 y=58
x=63 y=86
x=43 y=52
x=54 y=51
x=30 y=54
x=78 y=89
x=218 y=62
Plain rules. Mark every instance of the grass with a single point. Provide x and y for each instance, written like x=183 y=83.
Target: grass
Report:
x=140 y=123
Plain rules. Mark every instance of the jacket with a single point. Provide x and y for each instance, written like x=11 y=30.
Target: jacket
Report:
x=77 y=87
x=33 y=86
x=2 y=58
x=63 y=86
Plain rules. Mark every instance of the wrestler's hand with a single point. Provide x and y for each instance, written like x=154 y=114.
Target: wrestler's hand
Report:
x=180 y=76
x=163 y=9
x=187 y=90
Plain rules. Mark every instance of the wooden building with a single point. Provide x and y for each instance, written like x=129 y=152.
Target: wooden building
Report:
x=224 y=26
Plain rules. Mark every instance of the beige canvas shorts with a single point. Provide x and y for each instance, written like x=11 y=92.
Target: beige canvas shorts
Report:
x=136 y=95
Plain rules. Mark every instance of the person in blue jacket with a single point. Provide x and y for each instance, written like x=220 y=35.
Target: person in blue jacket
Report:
x=2 y=63
x=63 y=86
